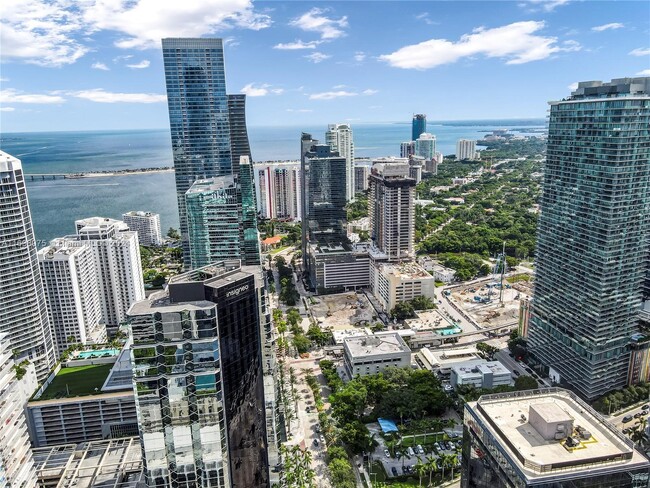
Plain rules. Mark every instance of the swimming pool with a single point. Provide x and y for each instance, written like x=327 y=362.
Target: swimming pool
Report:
x=98 y=353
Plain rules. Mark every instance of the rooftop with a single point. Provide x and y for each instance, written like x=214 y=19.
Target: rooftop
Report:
x=77 y=381
x=407 y=271
x=375 y=345
x=212 y=184
x=140 y=213
x=479 y=366
x=506 y=417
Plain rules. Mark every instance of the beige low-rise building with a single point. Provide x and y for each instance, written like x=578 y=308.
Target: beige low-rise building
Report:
x=372 y=354
x=400 y=282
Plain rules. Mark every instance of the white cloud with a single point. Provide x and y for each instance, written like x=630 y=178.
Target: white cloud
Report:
x=7 y=109
x=260 y=91
x=14 y=96
x=41 y=32
x=645 y=72
x=610 y=26
x=573 y=86
x=3 y=80
x=315 y=21
x=338 y=87
x=141 y=65
x=100 y=66
x=99 y=95
x=317 y=57
x=369 y=91
x=299 y=110
x=230 y=42
x=546 y=5
x=297 y=44
x=359 y=56
x=517 y=43
x=640 y=51
x=424 y=17
x=331 y=95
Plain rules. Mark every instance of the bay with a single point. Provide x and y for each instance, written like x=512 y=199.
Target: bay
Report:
x=56 y=204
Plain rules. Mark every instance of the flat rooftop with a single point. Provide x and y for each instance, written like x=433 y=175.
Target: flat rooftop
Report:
x=77 y=381
x=506 y=415
x=375 y=345
x=467 y=368
x=406 y=270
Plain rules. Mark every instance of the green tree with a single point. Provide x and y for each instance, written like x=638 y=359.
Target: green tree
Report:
x=432 y=467
x=293 y=317
x=319 y=336
x=301 y=343
x=420 y=470
x=342 y=474
x=526 y=382
x=356 y=436
x=422 y=303
x=173 y=234
x=403 y=310
x=297 y=472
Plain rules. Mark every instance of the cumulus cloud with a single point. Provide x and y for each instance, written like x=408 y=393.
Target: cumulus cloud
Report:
x=317 y=57
x=7 y=109
x=645 y=72
x=100 y=95
x=141 y=65
x=315 y=21
x=359 y=56
x=545 y=5
x=610 y=26
x=424 y=17
x=260 y=91
x=517 y=43
x=297 y=44
x=331 y=95
x=14 y=96
x=369 y=91
x=640 y=51
x=100 y=66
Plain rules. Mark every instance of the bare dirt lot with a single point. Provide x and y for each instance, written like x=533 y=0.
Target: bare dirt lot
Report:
x=343 y=310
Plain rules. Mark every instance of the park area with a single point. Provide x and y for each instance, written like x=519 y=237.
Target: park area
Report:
x=77 y=381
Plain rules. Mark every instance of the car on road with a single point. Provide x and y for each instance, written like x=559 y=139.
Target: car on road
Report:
x=387 y=453
x=316 y=442
x=627 y=418
x=517 y=373
x=645 y=407
x=394 y=470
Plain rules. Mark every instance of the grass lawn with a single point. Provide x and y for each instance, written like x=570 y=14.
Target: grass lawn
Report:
x=519 y=277
x=80 y=380
x=278 y=249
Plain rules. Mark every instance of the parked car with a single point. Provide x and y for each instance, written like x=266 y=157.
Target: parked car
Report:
x=387 y=453
x=394 y=470
x=420 y=449
x=645 y=407
x=627 y=419
x=450 y=446
x=316 y=442
x=410 y=452
x=437 y=446
x=517 y=373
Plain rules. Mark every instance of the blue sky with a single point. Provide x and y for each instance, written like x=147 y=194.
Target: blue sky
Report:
x=97 y=64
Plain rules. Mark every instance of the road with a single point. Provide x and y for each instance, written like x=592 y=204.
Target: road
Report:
x=617 y=420
x=503 y=356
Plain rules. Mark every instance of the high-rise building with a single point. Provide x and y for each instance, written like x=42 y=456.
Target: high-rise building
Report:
x=465 y=149
x=71 y=288
x=117 y=261
x=23 y=312
x=198 y=373
x=339 y=137
x=544 y=438
x=592 y=245
x=418 y=126
x=406 y=149
x=391 y=209
x=249 y=236
x=362 y=170
x=425 y=146
x=146 y=224
x=278 y=189
x=239 y=145
x=416 y=166
x=16 y=462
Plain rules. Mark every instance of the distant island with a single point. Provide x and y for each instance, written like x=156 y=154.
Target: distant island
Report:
x=98 y=174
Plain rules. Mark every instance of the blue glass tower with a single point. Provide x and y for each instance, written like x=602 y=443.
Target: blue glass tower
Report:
x=418 y=126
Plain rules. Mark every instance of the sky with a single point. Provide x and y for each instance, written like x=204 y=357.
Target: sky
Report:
x=97 y=64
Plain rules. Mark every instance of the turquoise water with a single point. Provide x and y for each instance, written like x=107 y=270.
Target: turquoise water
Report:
x=449 y=331
x=56 y=204
x=98 y=353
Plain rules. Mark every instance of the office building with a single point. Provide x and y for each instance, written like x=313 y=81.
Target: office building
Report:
x=362 y=169
x=407 y=149
x=416 y=166
x=391 y=209
x=480 y=374
x=239 y=145
x=425 y=146
x=400 y=282
x=543 y=438
x=366 y=355
x=71 y=287
x=339 y=137
x=146 y=224
x=465 y=149
x=16 y=463
x=249 y=236
x=441 y=361
x=278 y=190
x=108 y=464
x=198 y=374
x=23 y=312
x=89 y=397
x=117 y=261
x=339 y=267
x=592 y=252
x=418 y=126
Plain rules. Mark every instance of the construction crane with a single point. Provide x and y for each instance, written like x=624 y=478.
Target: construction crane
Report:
x=498 y=273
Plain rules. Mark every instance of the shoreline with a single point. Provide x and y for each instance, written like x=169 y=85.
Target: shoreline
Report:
x=125 y=172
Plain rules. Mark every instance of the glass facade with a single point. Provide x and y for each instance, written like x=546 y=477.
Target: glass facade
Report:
x=418 y=126
x=249 y=235
x=592 y=246
x=239 y=145
x=198 y=115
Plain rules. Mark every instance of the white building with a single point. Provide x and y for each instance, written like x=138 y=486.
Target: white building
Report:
x=399 y=282
x=439 y=272
x=442 y=360
x=425 y=146
x=16 y=463
x=146 y=224
x=480 y=374
x=278 y=190
x=368 y=355
x=362 y=168
x=465 y=149
x=117 y=259
x=23 y=313
x=71 y=289
x=339 y=138
x=407 y=149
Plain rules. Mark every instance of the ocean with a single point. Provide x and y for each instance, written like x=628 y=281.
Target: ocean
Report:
x=56 y=204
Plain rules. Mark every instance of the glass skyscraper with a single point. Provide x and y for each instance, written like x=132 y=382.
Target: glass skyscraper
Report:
x=418 y=126
x=592 y=246
x=198 y=374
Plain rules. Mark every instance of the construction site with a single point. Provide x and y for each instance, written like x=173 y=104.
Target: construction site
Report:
x=343 y=310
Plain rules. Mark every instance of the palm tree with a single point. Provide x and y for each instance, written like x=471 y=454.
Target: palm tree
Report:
x=432 y=467
x=453 y=460
x=420 y=469
x=443 y=463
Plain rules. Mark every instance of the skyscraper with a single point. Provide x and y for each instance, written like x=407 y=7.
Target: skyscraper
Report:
x=425 y=146
x=197 y=365
x=146 y=224
x=278 y=188
x=339 y=137
x=198 y=115
x=23 y=313
x=592 y=246
x=465 y=149
x=249 y=236
x=418 y=126
x=391 y=209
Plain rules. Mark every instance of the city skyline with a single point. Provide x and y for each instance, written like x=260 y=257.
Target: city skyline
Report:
x=322 y=64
